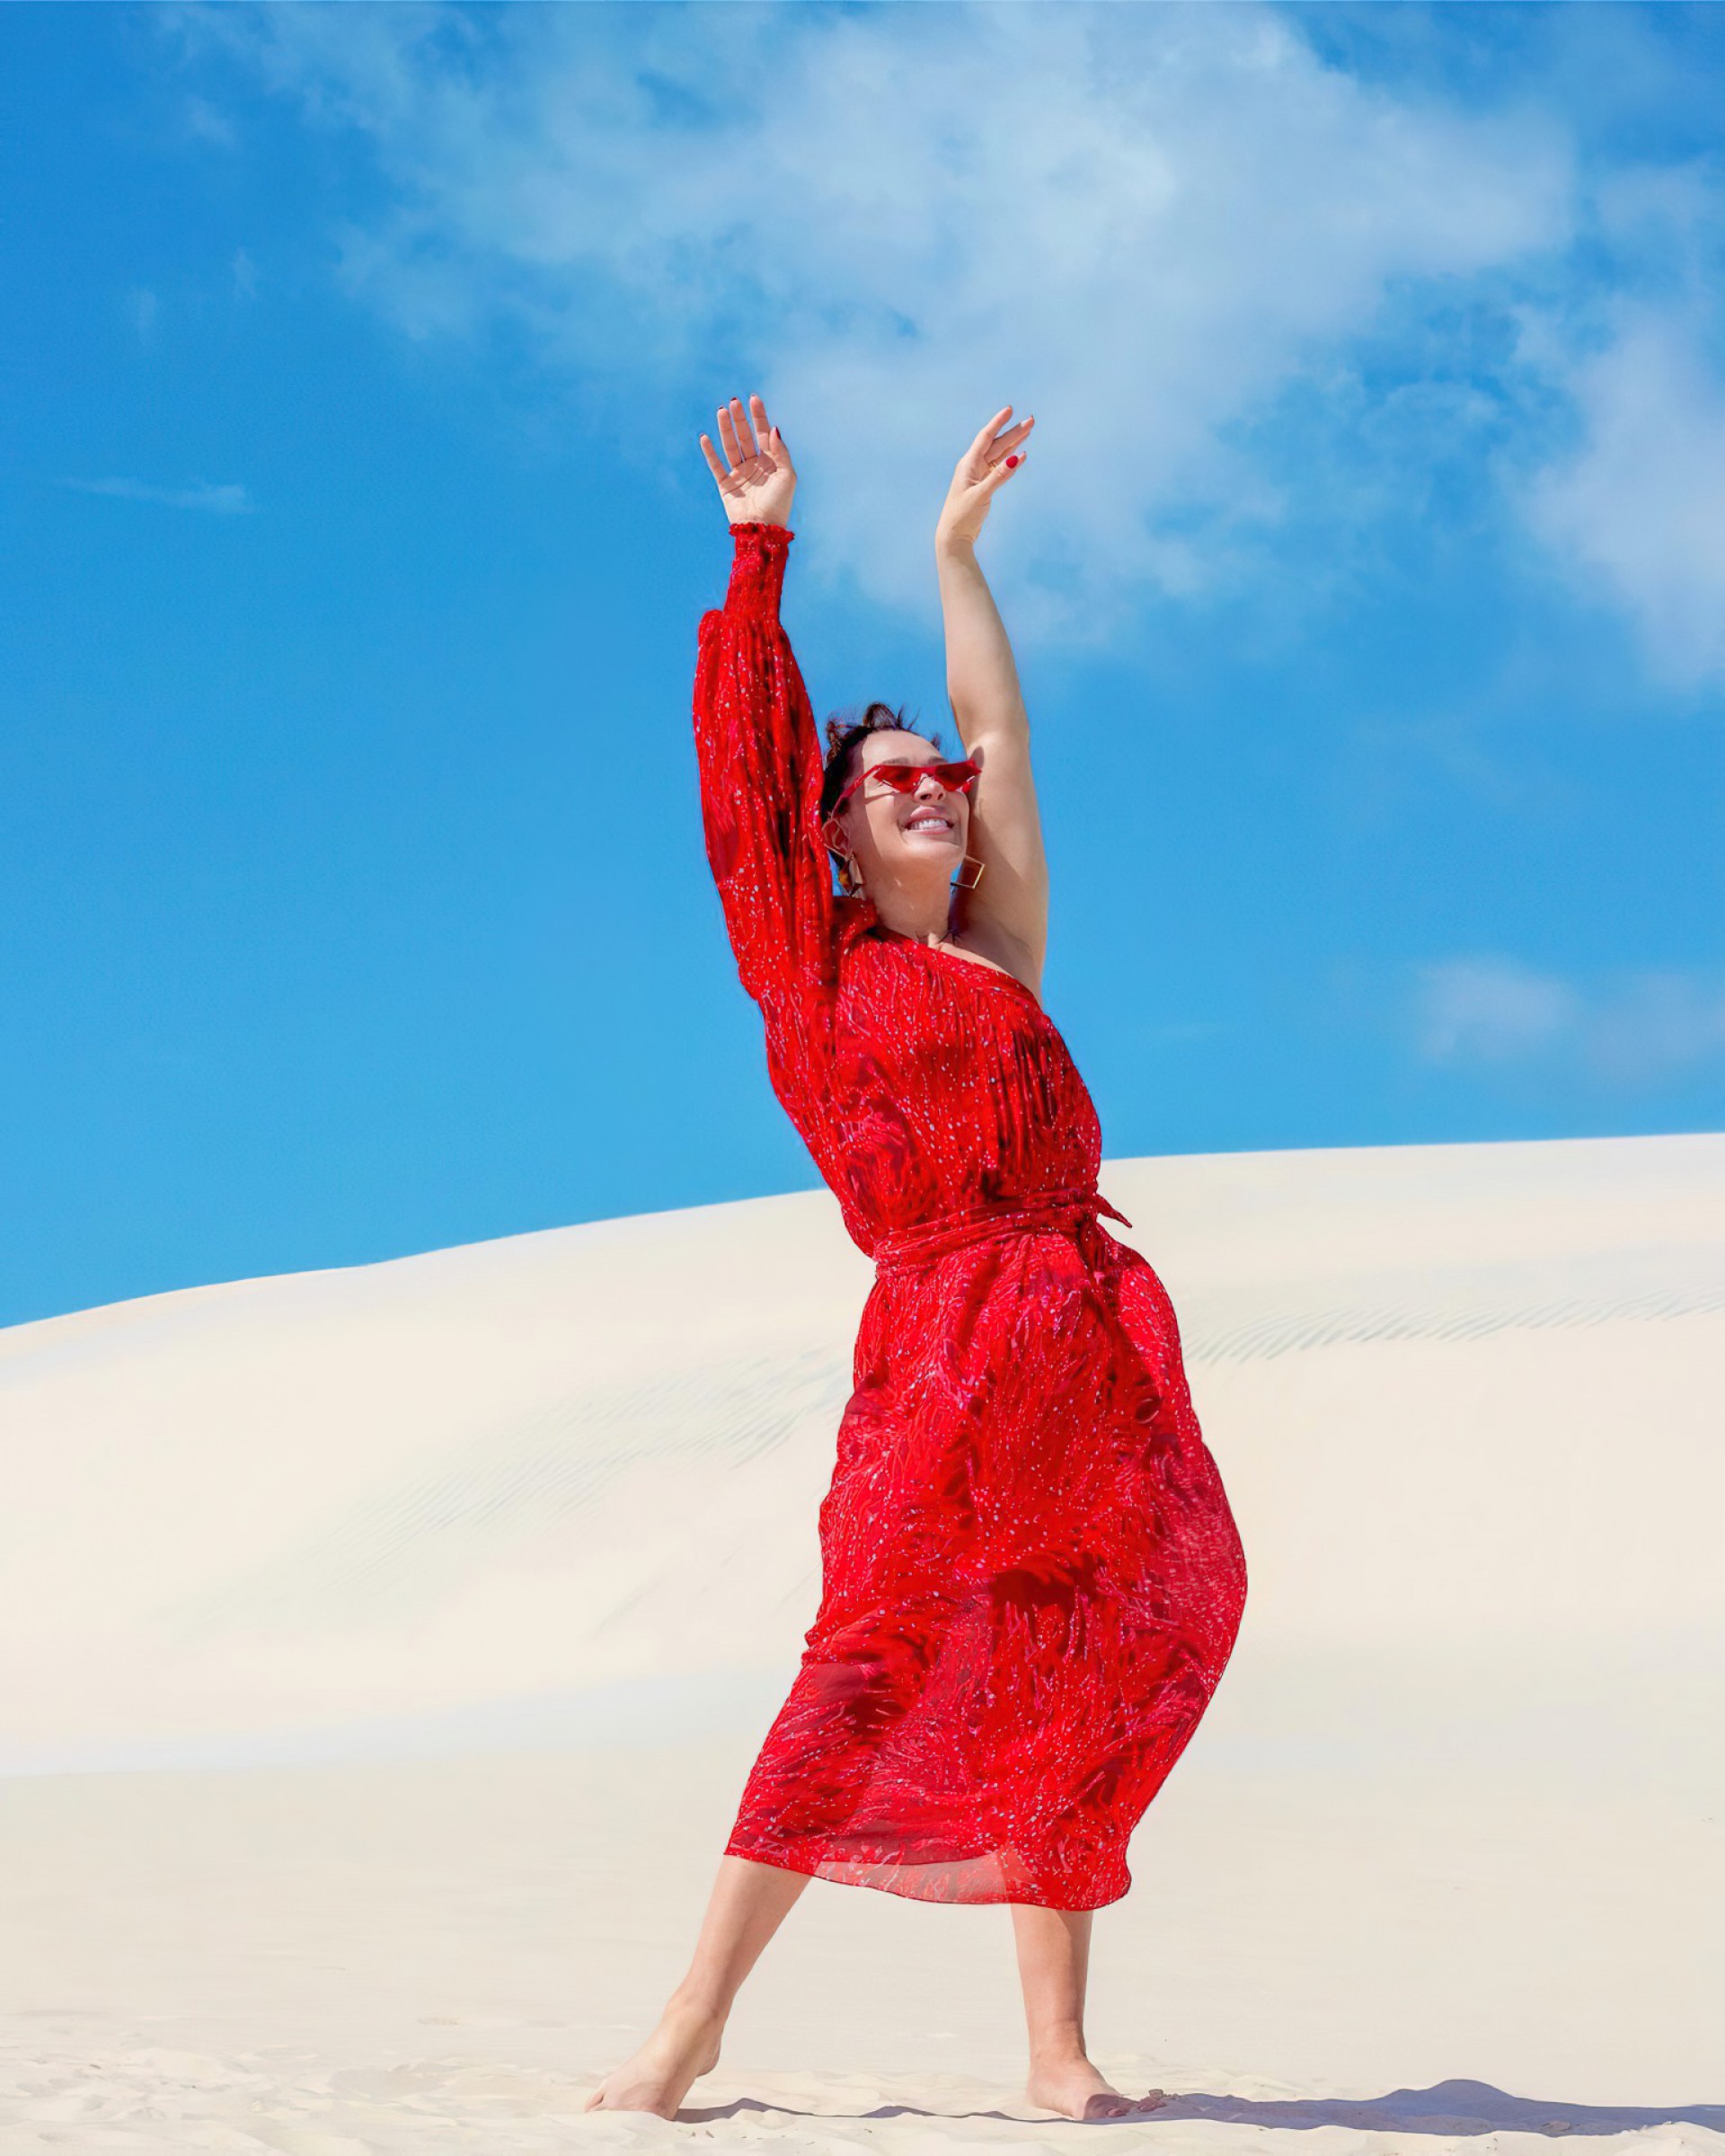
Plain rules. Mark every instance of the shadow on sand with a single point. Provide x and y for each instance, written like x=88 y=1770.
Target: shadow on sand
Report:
x=1451 y=2109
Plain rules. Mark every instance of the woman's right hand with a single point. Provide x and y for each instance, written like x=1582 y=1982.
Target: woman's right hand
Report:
x=755 y=477
x=982 y=471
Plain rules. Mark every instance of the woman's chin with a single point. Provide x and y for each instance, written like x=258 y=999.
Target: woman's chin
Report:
x=929 y=867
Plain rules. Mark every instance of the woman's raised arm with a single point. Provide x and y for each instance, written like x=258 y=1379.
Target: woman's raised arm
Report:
x=755 y=741
x=1007 y=911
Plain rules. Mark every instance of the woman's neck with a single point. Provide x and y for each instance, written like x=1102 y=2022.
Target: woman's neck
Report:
x=927 y=920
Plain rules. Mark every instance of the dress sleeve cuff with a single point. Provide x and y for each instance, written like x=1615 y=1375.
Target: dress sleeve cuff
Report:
x=757 y=568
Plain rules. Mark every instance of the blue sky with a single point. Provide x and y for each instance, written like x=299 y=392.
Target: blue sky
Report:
x=1368 y=578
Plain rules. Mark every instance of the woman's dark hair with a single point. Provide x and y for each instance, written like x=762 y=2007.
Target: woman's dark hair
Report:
x=844 y=739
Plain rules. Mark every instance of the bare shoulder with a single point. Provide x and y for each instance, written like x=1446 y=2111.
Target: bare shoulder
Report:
x=999 y=953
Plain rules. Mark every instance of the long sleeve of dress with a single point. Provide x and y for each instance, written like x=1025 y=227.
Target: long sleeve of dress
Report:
x=760 y=771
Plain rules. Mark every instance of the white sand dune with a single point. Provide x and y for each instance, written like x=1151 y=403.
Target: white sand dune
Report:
x=384 y=1651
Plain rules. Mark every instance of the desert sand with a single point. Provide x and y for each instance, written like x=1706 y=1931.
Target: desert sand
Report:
x=384 y=1650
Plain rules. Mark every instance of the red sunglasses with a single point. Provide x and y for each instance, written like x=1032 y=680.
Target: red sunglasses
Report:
x=906 y=778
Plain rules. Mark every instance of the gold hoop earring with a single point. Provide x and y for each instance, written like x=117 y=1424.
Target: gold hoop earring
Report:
x=959 y=880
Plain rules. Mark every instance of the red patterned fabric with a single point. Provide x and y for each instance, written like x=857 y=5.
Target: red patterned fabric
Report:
x=1031 y=1577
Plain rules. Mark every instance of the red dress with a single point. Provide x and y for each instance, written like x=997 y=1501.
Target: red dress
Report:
x=1031 y=1577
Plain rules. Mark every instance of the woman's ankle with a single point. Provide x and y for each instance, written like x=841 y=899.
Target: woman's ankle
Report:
x=1065 y=2048
x=689 y=2003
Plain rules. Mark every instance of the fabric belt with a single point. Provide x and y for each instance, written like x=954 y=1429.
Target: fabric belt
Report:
x=993 y=1221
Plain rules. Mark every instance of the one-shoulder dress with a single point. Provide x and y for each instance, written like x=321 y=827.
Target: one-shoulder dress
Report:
x=1031 y=1577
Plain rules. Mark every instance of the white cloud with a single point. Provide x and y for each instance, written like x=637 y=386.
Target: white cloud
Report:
x=219 y=500
x=1636 y=1029
x=207 y=124
x=1138 y=223
x=1490 y=1010
x=1659 y=1023
x=1637 y=509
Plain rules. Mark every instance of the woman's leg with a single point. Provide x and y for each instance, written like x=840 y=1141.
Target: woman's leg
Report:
x=1053 y=1965
x=747 y=1904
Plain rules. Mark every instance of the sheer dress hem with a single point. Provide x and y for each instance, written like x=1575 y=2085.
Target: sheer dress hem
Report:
x=986 y=1881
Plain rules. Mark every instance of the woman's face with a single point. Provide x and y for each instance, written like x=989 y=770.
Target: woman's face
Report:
x=908 y=840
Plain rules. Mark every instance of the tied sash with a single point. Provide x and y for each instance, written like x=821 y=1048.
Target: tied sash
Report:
x=994 y=1220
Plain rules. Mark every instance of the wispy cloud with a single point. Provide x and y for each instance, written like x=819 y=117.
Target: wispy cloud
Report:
x=1255 y=300
x=1639 y=506
x=223 y=500
x=206 y=123
x=1139 y=223
x=1639 y=1028
x=1489 y=1011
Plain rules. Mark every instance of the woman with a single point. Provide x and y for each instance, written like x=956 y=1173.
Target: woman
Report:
x=1031 y=1577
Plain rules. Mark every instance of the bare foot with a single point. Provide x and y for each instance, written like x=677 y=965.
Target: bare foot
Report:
x=1073 y=2088
x=684 y=2046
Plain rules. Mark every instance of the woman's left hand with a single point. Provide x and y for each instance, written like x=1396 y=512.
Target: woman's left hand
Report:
x=982 y=471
